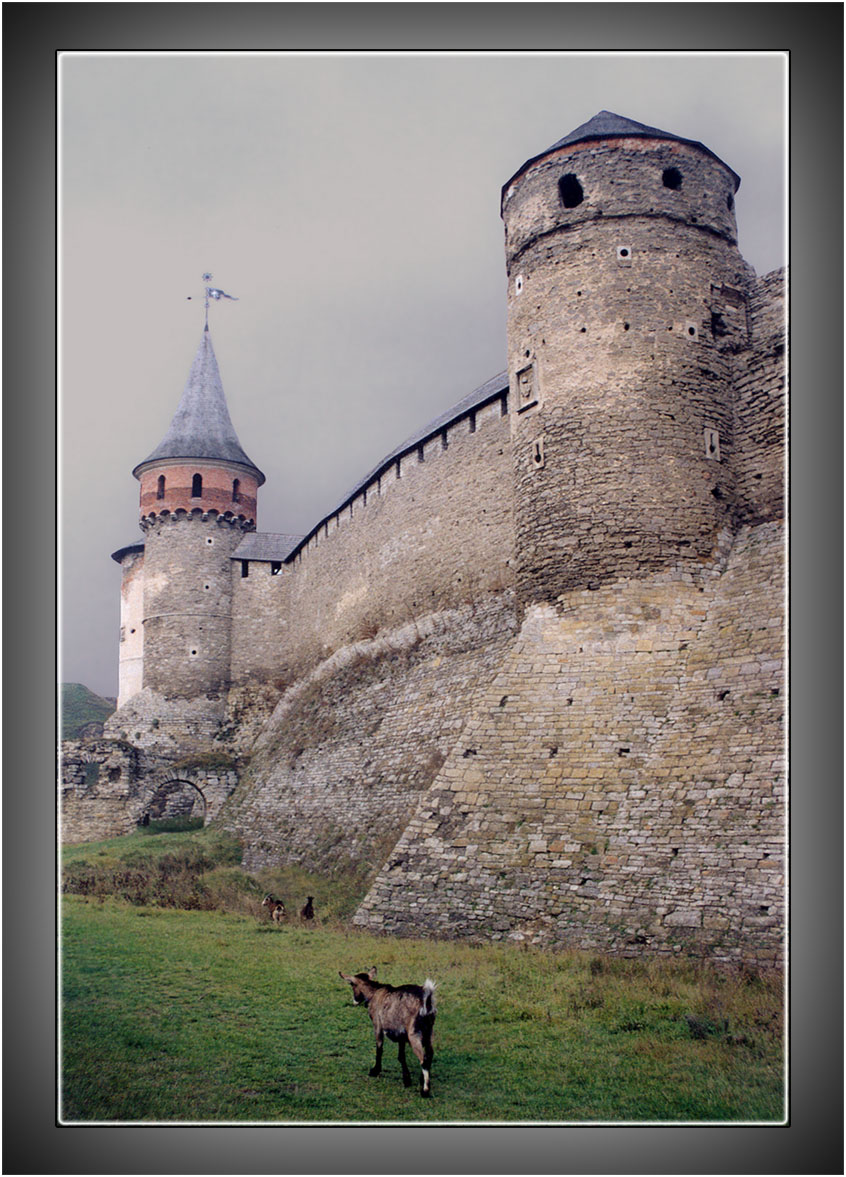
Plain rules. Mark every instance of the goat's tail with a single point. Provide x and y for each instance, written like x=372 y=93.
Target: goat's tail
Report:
x=427 y=1007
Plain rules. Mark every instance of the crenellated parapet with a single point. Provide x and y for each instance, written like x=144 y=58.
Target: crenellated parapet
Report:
x=198 y=514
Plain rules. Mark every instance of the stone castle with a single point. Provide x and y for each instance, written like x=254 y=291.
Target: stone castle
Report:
x=530 y=671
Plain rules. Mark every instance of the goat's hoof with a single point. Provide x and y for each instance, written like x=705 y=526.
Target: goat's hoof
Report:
x=426 y=1094
x=406 y=1080
x=375 y=1072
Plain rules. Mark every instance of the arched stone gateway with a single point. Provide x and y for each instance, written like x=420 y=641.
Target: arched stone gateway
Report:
x=176 y=798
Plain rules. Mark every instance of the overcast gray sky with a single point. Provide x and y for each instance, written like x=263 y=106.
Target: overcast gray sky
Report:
x=351 y=203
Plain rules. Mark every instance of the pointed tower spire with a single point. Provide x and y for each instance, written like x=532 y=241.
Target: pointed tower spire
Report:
x=201 y=427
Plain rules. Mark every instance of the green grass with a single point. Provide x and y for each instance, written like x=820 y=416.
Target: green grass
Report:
x=81 y=706
x=215 y=1014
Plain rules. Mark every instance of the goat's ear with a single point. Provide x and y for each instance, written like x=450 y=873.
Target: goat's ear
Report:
x=372 y=973
x=344 y=977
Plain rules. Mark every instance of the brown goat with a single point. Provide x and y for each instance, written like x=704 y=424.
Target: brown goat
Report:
x=307 y=912
x=406 y=1013
x=277 y=908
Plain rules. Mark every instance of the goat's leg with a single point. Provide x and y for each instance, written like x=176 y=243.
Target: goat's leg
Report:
x=406 y=1077
x=423 y=1051
x=376 y=1069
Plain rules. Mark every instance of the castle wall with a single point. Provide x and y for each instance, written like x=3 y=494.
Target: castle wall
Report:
x=760 y=404
x=339 y=768
x=427 y=536
x=619 y=784
x=532 y=671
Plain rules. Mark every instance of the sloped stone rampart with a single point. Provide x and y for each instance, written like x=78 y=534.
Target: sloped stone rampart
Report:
x=338 y=771
x=619 y=785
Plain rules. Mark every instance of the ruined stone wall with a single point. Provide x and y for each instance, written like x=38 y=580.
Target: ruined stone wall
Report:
x=619 y=784
x=435 y=531
x=106 y=786
x=760 y=404
x=338 y=770
x=97 y=789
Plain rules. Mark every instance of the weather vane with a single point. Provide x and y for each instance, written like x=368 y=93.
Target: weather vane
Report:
x=212 y=292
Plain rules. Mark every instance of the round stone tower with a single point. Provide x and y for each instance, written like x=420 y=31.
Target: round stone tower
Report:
x=626 y=303
x=198 y=497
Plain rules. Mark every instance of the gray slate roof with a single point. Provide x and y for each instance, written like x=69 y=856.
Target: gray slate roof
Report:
x=606 y=125
x=495 y=387
x=201 y=427
x=265 y=545
x=135 y=546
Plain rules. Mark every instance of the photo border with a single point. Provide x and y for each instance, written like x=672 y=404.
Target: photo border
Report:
x=812 y=34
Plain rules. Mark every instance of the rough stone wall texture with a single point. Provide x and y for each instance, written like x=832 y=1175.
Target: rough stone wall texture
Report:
x=107 y=785
x=188 y=604
x=170 y=726
x=433 y=538
x=760 y=405
x=619 y=785
x=98 y=781
x=616 y=364
x=340 y=767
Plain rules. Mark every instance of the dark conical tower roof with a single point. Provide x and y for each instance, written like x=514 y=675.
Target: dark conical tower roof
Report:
x=607 y=125
x=201 y=427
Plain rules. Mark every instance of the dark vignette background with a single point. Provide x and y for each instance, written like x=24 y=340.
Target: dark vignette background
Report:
x=812 y=1142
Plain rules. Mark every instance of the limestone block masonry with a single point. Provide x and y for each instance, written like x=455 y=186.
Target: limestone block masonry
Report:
x=188 y=604
x=340 y=766
x=619 y=783
x=528 y=676
x=433 y=531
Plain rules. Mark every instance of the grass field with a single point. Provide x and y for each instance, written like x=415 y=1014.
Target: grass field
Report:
x=202 y=1010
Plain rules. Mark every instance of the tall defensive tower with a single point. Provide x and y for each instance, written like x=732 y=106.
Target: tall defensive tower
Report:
x=627 y=299
x=198 y=497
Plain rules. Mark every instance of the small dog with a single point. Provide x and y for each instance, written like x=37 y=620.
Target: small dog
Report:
x=406 y=1014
